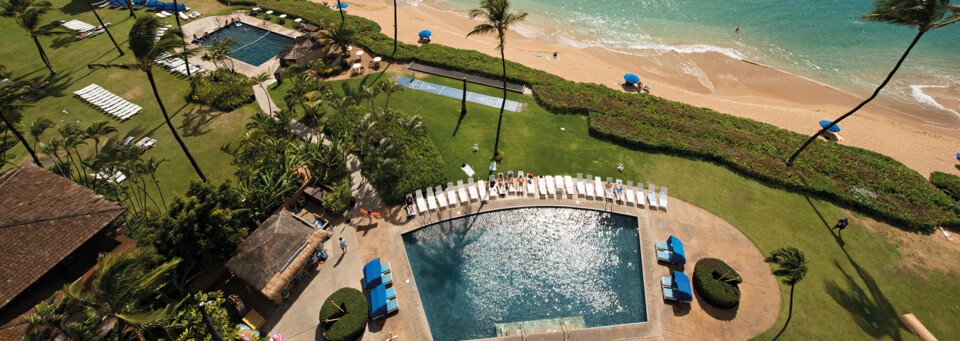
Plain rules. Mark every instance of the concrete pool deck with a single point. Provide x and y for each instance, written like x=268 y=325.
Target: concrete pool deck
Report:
x=213 y=23
x=704 y=235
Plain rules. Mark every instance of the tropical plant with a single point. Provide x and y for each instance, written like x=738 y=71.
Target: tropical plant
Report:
x=498 y=19
x=925 y=15
x=413 y=125
x=339 y=37
x=10 y=105
x=48 y=321
x=97 y=130
x=123 y=291
x=389 y=88
x=188 y=319
x=220 y=52
x=29 y=14
x=146 y=48
x=791 y=268
x=343 y=315
x=369 y=93
x=259 y=79
x=38 y=127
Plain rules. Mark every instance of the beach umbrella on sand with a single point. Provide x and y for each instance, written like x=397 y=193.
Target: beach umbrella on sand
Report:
x=833 y=129
x=343 y=5
x=958 y=156
x=425 y=33
x=632 y=78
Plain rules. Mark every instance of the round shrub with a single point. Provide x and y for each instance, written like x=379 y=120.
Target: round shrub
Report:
x=717 y=283
x=351 y=315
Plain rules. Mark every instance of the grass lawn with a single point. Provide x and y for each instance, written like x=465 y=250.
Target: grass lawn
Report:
x=203 y=130
x=848 y=287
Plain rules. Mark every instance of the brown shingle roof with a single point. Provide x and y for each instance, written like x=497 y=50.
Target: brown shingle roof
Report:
x=43 y=219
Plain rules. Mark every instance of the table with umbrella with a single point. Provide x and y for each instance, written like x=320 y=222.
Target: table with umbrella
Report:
x=356 y=67
x=425 y=35
x=834 y=129
x=631 y=78
x=375 y=63
x=283 y=16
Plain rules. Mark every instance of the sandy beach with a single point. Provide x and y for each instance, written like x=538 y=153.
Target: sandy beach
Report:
x=718 y=82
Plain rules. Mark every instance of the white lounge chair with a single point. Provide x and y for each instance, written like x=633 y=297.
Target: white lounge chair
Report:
x=441 y=199
x=610 y=191
x=558 y=180
x=431 y=199
x=663 y=197
x=451 y=196
x=521 y=180
x=194 y=15
x=482 y=187
x=531 y=186
x=651 y=196
x=421 y=204
x=639 y=191
x=542 y=184
x=511 y=186
x=551 y=189
x=472 y=189
x=568 y=181
x=463 y=192
x=598 y=188
x=628 y=192
x=581 y=191
x=618 y=191
x=589 y=187
x=183 y=16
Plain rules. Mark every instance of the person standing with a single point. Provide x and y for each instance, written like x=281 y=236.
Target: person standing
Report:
x=343 y=245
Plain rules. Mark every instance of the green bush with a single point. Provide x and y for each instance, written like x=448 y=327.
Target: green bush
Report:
x=947 y=182
x=854 y=177
x=220 y=89
x=351 y=320
x=338 y=201
x=710 y=277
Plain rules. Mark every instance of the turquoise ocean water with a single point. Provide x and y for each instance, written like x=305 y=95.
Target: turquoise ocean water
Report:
x=823 y=40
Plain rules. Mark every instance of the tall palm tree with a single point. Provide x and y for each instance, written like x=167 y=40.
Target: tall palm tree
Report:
x=369 y=93
x=498 y=19
x=791 y=268
x=394 y=28
x=220 y=52
x=52 y=148
x=96 y=130
x=150 y=166
x=130 y=7
x=9 y=105
x=123 y=287
x=176 y=16
x=340 y=8
x=146 y=49
x=105 y=28
x=339 y=37
x=389 y=88
x=38 y=127
x=29 y=14
x=925 y=15
x=259 y=79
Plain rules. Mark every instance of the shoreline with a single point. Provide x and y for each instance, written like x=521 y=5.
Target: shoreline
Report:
x=734 y=86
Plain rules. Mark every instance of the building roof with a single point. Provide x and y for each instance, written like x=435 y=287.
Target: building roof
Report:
x=44 y=218
x=274 y=252
x=300 y=47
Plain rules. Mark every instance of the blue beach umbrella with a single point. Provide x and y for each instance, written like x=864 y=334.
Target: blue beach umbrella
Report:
x=632 y=78
x=958 y=156
x=343 y=5
x=834 y=129
x=425 y=33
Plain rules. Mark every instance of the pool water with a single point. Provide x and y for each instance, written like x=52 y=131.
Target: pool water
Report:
x=527 y=264
x=254 y=45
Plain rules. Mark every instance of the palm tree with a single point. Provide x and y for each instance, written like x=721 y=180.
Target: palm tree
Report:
x=38 y=127
x=9 y=104
x=105 y=28
x=925 y=15
x=150 y=166
x=498 y=18
x=369 y=93
x=791 y=268
x=389 y=88
x=52 y=148
x=28 y=14
x=413 y=125
x=96 y=130
x=394 y=28
x=259 y=79
x=146 y=49
x=220 y=52
x=176 y=16
x=340 y=8
x=130 y=7
x=339 y=37
x=122 y=287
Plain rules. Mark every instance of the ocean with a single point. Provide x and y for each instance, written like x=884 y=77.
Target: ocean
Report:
x=823 y=40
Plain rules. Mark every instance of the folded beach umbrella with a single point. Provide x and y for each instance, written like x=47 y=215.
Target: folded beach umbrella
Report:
x=632 y=78
x=425 y=33
x=834 y=129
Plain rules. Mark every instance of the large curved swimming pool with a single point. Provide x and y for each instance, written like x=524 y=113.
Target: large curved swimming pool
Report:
x=527 y=264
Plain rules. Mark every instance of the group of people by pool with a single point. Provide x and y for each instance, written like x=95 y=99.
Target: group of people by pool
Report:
x=206 y=35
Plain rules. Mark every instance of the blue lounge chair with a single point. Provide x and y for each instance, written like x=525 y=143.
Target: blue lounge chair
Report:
x=391 y=293
x=392 y=305
x=669 y=294
x=666 y=282
x=385 y=267
x=181 y=7
x=662 y=246
x=386 y=279
x=664 y=256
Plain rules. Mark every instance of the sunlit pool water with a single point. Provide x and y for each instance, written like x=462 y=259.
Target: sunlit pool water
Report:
x=527 y=264
x=254 y=45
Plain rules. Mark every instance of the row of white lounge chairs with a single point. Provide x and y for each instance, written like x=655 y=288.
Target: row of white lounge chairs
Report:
x=546 y=186
x=177 y=65
x=107 y=101
x=79 y=26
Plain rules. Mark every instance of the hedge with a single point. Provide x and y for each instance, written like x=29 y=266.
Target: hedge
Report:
x=853 y=177
x=337 y=201
x=351 y=321
x=947 y=182
x=718 y=293
x=221 y=89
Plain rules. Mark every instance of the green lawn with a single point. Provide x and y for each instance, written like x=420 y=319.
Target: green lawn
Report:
x=848 y=286
x=203 y=130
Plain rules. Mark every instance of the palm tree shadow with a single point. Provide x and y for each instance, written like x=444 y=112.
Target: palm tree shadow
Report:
x=868 y=305
x=836 y=236
x=196 y=122
x=444 y=260
x=459 y=120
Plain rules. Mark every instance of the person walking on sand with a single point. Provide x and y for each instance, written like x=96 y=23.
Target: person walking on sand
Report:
x=841 y=224
x=343 y=245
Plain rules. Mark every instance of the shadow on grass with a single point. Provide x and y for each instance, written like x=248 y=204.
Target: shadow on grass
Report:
x=868 y=305
x=196 y=122
x=836 y=236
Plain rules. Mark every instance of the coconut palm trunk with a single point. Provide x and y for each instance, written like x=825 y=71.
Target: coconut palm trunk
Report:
x=874 y=95
x=340 y=8
x=105 y=29
x=789 y=314
x=43 y=54
x=394 y=28
x=22 y=140
x=130 y=7
x=503 y=62
x=176 y=135
x=176 y=16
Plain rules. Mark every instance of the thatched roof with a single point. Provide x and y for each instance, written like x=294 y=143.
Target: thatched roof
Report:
x=301 y=46
x=271 y=255
x=43 y=219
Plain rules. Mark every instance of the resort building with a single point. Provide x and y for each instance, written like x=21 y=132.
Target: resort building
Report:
x=51 y=231
x=302 y=51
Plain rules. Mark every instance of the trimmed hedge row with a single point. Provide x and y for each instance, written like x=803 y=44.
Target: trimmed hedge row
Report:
x=947 y=182
x=351 y=321
x=717 y=292
x=854 y=177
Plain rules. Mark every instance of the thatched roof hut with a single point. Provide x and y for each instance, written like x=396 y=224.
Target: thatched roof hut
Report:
x=275 y=252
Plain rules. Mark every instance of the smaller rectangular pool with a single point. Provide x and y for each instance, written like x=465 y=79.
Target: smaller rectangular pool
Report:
x=254 y=46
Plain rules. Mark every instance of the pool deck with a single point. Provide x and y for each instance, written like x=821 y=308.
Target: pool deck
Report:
x=212 y=23
x=703 y=234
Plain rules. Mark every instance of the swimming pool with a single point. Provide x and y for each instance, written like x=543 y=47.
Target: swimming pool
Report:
x=527 y=264
x=254 y=45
